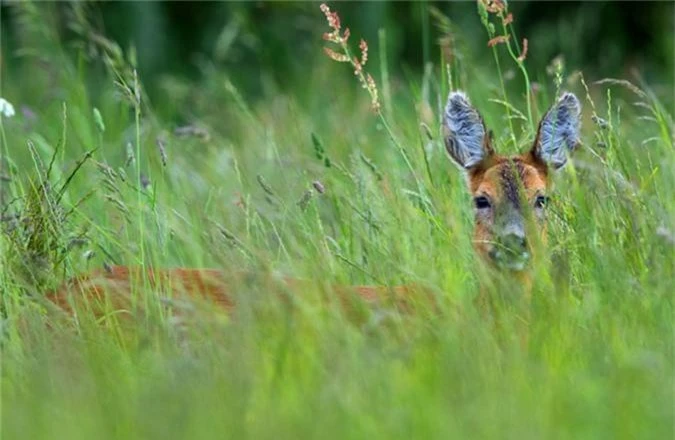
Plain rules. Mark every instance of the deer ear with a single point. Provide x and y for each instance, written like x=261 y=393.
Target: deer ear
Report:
x=558 y=133
x=464 y=132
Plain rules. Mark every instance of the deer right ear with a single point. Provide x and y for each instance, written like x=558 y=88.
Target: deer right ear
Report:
x=558 y=133
x=466 y=138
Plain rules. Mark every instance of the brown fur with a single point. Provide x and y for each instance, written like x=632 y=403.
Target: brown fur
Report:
x=111 y=290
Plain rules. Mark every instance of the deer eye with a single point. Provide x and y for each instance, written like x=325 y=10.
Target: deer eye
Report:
x=541 y=202
x=482 y=202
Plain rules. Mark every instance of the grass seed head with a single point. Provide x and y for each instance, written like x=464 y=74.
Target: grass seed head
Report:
x=145 y=181
x=305 y=199
x=193 y=130
x=98 y=120
x=161 y=146
x=130 y=155
x=602 y=123
x=318 y=186
x=264 y=185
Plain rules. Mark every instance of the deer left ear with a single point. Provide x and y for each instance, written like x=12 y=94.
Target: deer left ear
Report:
x=558 y=133
x=467 y=141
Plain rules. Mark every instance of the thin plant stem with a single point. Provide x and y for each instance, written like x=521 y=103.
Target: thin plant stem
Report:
x=137 y=122
x=526 y=77
x=384 y=69
x=385 y=124
x=503 y=86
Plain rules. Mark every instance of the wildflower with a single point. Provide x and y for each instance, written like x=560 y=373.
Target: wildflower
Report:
x=332 y=37
x=339 y=57
x=334 y=23
x=508 y=20
x=358 y=68
x=332 y=17
x=366 y=80
x=372 y=89
x=494 y=6
x=364 y=51
x=6 y=108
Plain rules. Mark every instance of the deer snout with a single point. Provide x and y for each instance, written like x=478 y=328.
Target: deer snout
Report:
x=511 y=250
x=514 y=242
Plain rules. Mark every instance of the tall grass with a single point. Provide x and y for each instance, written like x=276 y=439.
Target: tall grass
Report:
x=318 y=188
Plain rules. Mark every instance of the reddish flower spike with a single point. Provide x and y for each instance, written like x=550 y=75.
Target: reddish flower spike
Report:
x=364 y=51
x=498 y=40
x=508 y=20
x=342 y=58
x=523 y=54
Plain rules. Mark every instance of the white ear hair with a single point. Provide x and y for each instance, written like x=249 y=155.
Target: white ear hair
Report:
x=464 y=131
x=559 y=131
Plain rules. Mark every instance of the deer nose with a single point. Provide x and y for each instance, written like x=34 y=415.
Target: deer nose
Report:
x=514 y=242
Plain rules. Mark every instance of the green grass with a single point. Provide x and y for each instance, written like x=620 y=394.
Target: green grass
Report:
x=600 y=361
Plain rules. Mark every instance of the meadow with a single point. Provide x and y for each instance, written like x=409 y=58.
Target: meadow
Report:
x=344 y=181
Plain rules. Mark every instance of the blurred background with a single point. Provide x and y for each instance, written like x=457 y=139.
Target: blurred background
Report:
x=278 y=41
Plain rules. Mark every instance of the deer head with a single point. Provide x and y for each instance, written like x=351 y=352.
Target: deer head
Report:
x=510 y=193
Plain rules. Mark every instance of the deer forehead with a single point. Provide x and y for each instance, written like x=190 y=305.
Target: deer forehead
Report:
x=503 y=178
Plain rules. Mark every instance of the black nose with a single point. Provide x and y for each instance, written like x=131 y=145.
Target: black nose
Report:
x=514 y=242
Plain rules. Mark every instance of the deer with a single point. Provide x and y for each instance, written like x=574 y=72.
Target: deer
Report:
x=509 y=196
